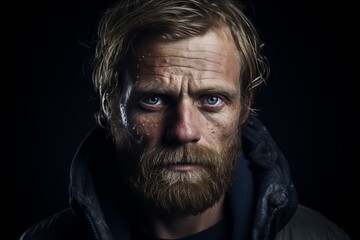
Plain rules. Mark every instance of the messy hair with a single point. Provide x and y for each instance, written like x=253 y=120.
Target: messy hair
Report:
x=128 y=21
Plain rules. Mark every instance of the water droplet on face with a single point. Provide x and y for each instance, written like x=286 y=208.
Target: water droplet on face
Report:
x=211 y=128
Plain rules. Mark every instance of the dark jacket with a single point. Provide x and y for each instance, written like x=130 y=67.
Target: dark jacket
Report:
x=277 y=213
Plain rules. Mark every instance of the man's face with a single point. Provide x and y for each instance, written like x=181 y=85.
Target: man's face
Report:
x=182 y=112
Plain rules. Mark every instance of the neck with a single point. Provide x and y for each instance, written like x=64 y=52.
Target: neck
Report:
x=171 y=227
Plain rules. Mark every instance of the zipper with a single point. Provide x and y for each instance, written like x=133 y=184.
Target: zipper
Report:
x=92 y=228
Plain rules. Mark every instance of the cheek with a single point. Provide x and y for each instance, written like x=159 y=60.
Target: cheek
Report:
x=147 y=127
x=226 y=129
x=223 y=128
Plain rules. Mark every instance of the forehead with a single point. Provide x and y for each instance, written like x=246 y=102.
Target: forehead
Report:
x=217 y=41
x=213 y=53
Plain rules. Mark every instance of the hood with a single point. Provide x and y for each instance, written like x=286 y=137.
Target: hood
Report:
x=94 y=156
x=275 y=193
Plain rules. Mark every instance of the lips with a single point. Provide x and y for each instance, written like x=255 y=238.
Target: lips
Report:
x=184 y=167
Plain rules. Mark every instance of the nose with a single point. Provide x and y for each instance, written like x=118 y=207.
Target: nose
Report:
x=184 y=126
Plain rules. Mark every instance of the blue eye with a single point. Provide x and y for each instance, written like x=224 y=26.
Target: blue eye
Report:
x=212 y=100
x=152 y=103
x=153 y=100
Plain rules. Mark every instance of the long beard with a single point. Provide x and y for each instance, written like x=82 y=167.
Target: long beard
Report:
x=181 y=193
x=184 y=192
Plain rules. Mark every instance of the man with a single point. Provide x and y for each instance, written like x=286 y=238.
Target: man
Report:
x=178 y=153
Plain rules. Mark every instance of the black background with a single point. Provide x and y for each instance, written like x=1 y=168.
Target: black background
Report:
x=48 y=101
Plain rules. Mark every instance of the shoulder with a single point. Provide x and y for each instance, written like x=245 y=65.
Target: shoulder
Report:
x=60 y=226
x=310 y=224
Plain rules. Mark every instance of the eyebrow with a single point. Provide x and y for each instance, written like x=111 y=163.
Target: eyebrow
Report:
x=153 y=88
x=227 y=92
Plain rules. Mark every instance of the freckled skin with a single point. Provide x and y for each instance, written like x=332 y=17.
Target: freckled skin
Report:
x=186 y=92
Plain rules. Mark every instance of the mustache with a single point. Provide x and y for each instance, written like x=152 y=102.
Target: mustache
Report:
x=191 y=154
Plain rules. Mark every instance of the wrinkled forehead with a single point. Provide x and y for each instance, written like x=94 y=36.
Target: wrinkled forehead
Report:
x=217 y=39
x=216 y=47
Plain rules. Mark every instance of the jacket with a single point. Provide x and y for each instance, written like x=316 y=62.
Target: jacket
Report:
x=277 y=214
